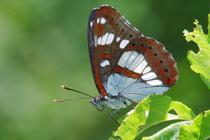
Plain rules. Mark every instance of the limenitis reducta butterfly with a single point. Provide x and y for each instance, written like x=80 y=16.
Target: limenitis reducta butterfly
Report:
x=126 y=65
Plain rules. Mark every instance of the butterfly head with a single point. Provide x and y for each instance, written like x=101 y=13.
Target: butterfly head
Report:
x=98 y=102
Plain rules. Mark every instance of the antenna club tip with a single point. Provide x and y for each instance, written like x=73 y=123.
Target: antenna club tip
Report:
x=65 y=87
x=54 y=100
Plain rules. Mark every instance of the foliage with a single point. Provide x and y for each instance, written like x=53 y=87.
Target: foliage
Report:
x=200 y=61
x=199 y=129
x=153 y=111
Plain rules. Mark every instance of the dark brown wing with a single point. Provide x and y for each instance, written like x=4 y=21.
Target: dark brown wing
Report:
x=108 y=34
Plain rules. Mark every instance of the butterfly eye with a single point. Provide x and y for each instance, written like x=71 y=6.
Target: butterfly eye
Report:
x=155 y=54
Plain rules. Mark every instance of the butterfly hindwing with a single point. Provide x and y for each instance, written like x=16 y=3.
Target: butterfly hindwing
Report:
x=144 y=68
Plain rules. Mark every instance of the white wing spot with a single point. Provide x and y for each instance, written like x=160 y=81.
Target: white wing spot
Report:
x=124 y=58
x=141 y=67
x=95 y=41
x=104 y=63
x=148 y=69
x=155 y=82
x=99 y=40
x=110 y=38
x=103 y=21
x=124 y=43
x=98 y=20
x=91 y=24
x=132 y=57
x=149 y=76
x=103 y=41
x=136 y=62
x=118 y=39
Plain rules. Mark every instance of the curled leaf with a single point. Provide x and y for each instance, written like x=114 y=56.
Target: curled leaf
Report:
x=196 y=129
x=200 y=62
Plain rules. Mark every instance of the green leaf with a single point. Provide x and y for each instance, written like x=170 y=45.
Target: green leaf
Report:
x=197 y=129
x=184 y=112
x=170 y=132
x=209 y=28
x=149 y=112
x=159 y=106
x=206 y=81
x=135 y=118
x=200 y=61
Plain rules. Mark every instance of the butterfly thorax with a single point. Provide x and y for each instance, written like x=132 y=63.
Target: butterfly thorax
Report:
x=113 y=102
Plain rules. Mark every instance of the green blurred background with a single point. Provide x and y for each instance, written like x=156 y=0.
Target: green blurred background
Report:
x=43 y=44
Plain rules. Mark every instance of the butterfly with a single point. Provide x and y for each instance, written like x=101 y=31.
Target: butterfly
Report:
x=126 y=65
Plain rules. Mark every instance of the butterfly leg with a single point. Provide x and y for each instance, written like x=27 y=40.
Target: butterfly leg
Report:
x=112 y=114
x=118 y=112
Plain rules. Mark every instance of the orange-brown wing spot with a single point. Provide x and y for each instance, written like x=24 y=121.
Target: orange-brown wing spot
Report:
x=102 y=52
x=126 y=72
x=105 y=56
x=99 y=30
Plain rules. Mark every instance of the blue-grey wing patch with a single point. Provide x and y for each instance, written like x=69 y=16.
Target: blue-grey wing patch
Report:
x=132 y=89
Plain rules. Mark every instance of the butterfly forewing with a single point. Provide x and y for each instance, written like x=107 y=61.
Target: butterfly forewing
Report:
x=108 y=34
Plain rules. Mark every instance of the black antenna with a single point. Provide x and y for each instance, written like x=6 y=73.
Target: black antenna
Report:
x=83 y=93
x=63 y=100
